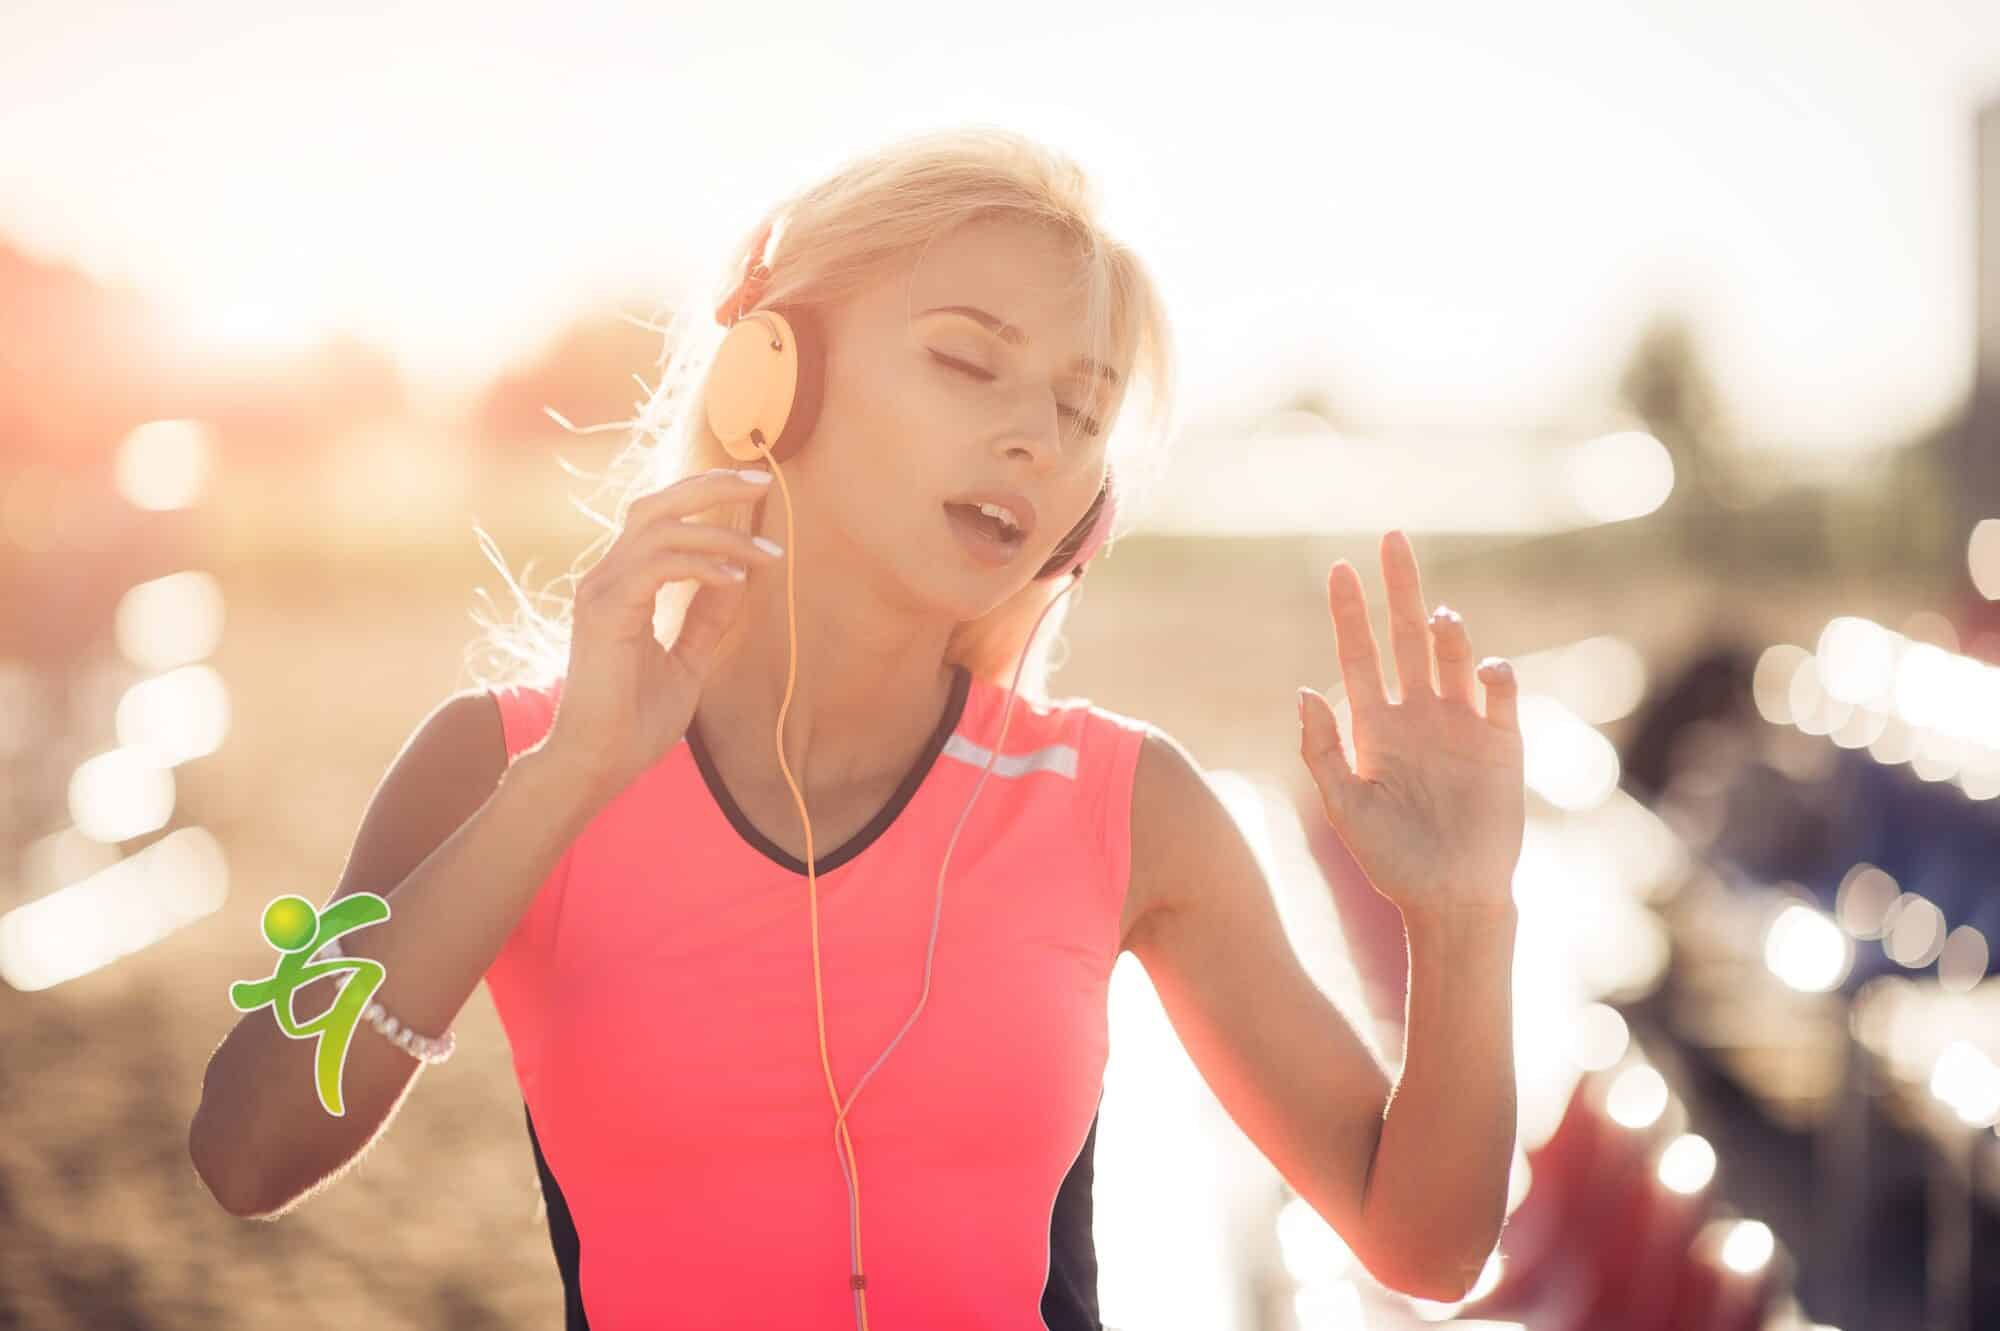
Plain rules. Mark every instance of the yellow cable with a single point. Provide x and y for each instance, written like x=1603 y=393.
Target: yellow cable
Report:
x=812 y=876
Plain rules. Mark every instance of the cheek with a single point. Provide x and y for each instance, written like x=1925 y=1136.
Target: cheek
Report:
x=915 y=440
x=869 y=475
x=890 y=411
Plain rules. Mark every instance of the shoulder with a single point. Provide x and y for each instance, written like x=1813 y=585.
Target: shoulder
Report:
x=1177 y=819
x=448 y=767
x=450 y=763
x=1111 y=743
x=1100 y=741
x=463 y=737
x=1167 y=785
x=1106 y=750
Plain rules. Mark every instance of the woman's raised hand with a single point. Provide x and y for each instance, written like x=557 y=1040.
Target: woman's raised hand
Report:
x=626 y=699
x=1433 y=806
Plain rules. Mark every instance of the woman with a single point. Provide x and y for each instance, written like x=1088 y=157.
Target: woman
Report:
x=815 y=1034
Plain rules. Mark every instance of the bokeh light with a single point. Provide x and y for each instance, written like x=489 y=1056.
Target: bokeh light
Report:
x=164 y=464
x=1982 y=557
x=1863 y=899
x=170 y=621
x=1618 y=477
x=1807 y=950
x=120 y=794
x=1967 y=1080
x=1771 y=682
x=175 y=717
x=1856 y=659
x=1600 y=678
x=1748 y=1247
x=1637 y=1097
x=1567 y=761
x=113 y=913
x=1963 y=961
x=1600 y=1037
x=1913 y=931
x=1687 y=1164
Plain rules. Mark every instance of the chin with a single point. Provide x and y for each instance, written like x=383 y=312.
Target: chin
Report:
x=968 y=591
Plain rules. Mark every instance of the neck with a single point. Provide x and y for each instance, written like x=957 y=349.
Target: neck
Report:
x=870 y=685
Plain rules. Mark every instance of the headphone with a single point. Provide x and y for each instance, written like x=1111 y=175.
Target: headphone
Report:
x=761 y=399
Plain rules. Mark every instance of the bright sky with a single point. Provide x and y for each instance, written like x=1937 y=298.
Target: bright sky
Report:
x=1456 y=216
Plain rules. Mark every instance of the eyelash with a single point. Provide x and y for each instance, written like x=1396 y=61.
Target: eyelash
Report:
x=1090 y=426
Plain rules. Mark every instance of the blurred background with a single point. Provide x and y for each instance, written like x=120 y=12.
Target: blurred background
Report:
x=1669 y=329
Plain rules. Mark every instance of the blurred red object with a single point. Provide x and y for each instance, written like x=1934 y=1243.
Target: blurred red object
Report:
x=1540 y=1245
x=1635 y=1289
x=1589 y=1233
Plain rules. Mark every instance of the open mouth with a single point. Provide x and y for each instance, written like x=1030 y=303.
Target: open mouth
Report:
x=1001 y=534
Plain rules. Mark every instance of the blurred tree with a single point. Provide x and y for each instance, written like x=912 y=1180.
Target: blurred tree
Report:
x=1666 y=384
x=274 y=410
x=1318 y=400
x=76 y=362
x=585 y=372
x=1887 y=515
x=82 y=363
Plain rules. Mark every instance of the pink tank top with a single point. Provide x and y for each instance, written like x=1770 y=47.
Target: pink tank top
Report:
x=657 y=996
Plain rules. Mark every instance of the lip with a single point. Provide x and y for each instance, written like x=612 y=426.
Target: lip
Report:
x=1013 y=500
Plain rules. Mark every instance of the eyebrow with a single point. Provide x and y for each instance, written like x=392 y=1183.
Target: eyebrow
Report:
x=1014 y=336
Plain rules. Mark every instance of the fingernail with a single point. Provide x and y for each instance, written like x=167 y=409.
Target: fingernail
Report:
x=1302 y=703
x=758 y=475
x=767 y=545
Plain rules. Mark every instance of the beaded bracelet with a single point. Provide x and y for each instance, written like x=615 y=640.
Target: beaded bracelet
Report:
x=423 y=1048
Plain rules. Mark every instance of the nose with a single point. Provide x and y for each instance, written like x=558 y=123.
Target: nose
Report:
x=1035 y=431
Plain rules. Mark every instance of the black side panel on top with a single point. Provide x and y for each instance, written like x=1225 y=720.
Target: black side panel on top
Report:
x=562 y=1234
x=1069 y=1300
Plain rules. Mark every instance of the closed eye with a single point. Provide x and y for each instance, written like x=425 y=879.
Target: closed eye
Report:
x=1090 y=426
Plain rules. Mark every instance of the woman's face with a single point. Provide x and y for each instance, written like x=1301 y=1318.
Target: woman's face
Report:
x=923 y=406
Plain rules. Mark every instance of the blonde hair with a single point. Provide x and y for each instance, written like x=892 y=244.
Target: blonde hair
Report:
x=829 y=240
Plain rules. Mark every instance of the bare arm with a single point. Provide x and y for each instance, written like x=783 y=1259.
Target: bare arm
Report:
x=457 y=841
x=1412 y=1177
x=1437 y=1181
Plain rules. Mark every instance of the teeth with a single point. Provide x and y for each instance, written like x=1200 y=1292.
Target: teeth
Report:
x=996 y=511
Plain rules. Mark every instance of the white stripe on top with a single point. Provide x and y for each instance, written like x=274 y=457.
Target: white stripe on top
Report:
x=1058 y=758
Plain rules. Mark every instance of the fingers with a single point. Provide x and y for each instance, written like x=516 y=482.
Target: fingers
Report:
x=1354 y=640
x=1320 y=748
x=705 y=538
x=631 y=585
x=702 y=627
x=1409 y=629
x=659 y=545
x=1503 y=693
x=660 y=518
x=1454 y=656
x=704 y=489
x=1432 y=652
